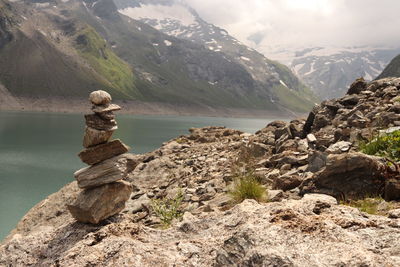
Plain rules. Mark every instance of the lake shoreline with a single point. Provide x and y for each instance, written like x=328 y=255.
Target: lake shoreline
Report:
x=38 y=150
x=80 y=106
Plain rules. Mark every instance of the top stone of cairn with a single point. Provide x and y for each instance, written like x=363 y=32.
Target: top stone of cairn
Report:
x=100 y=97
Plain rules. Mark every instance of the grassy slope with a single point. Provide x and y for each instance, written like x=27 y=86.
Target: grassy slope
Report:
x=116 y=73
x=392 y=70
x=33 y=67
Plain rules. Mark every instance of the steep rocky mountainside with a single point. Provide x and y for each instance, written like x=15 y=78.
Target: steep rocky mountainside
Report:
x=69 y=48
x=392 y=70
x=6 y=99
x=308 y=165
x=330 y=72
x=177 y=19
x=48 y=54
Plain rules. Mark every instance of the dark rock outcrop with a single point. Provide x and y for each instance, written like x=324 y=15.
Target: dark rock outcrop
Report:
x=357 y=86
x=348 y=175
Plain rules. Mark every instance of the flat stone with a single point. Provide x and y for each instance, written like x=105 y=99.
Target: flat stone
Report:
x=108 y=171
x=390 y=130
x=98 y=123
x=311 y=138
x=105 y=108
x=94 y=137
x=286 y=182
x=220 y=200
x=102 y=152
x=97 y=204
x=320 y=198
x=109 y=115
x=339 y=147
x=100 y=97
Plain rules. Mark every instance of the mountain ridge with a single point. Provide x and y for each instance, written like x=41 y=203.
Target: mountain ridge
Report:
x=89 y=45
x=329 y=71
x=391 y=70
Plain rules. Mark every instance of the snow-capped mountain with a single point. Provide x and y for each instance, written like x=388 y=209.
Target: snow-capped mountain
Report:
x=329 y=71
x=176 y=18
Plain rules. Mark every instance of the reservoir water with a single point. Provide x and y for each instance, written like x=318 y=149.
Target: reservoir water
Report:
x=38 y=151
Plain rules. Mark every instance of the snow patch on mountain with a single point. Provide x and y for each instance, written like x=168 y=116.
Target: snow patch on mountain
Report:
x=330 y=71
x=173 y=13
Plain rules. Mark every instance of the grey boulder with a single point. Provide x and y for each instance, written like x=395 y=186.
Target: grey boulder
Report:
x=96 y=204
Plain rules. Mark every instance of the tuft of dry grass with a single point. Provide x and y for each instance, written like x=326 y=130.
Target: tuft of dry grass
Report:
x=248 y=187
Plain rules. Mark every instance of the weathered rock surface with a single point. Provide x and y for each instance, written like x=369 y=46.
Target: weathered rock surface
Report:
x=100 y=97
x=94 y=137
x=313 y=231
x=349 y=175
x=96 y=204
x=357 y=86
x=108 y=171
x=98 y=123
x=102 y=152
x=392 y=189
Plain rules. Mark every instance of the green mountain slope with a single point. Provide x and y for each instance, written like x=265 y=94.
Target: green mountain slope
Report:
x=67 y=49
x=116 y=73
x=33 y=64
x=392 y=70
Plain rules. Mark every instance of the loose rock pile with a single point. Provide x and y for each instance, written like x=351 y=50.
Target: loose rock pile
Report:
x=104 y=191
x=320 y=154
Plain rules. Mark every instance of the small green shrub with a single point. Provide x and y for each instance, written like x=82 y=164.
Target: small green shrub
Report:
x=248 y=187
x=384 y=145
x=168 y=209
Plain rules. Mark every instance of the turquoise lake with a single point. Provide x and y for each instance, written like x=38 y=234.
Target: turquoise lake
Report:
x=38 y=151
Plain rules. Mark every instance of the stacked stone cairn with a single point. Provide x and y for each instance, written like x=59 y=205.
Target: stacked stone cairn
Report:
x=104 y=192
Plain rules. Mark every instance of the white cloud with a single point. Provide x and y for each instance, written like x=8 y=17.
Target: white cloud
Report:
x=301 y=23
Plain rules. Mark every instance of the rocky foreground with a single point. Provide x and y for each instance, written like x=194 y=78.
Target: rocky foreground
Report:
x=308 y=166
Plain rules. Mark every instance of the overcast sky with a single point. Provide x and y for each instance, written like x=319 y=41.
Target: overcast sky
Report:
x=297 y=23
